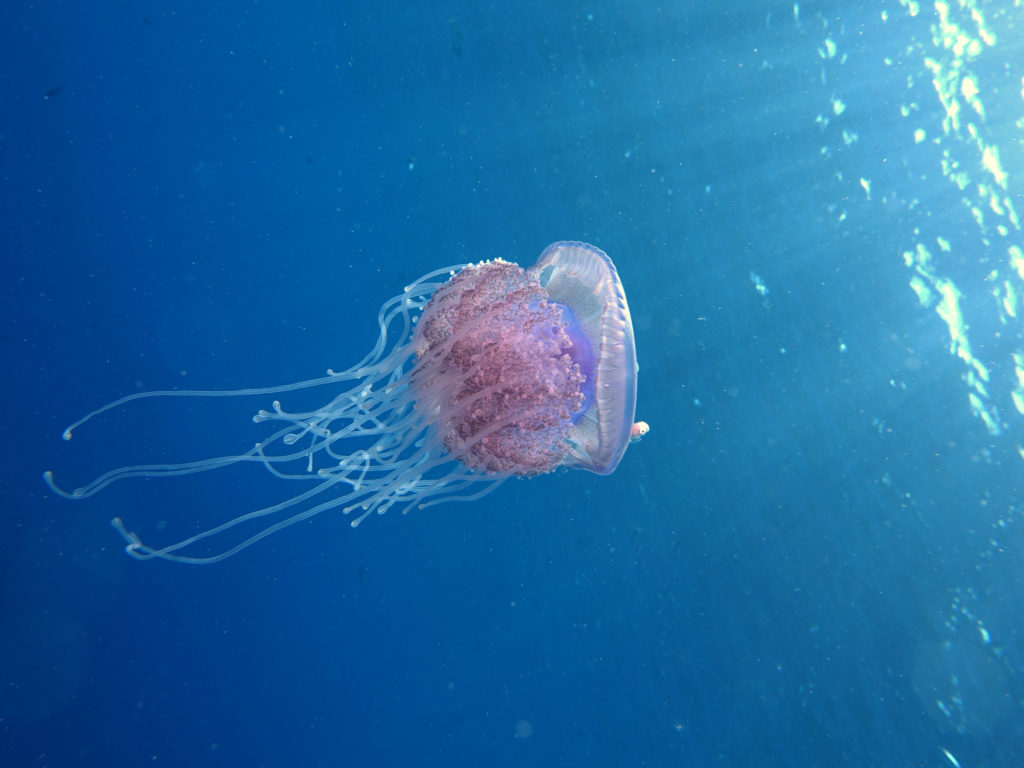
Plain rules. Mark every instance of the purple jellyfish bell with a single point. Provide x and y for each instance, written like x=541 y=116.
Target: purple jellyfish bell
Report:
x=497 y=372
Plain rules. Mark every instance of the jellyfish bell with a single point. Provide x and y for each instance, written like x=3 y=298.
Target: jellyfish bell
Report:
x=495 y=372
x=584 y=283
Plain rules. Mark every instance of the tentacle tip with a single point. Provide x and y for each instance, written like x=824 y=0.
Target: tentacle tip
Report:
x=134 y=543
x=66 y=434
x=48 y=479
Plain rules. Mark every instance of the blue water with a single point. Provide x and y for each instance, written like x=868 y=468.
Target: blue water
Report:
x=814 y=557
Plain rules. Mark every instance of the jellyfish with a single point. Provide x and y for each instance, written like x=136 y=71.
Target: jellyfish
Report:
x=492 y=373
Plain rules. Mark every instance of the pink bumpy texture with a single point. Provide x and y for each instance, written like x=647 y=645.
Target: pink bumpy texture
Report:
x=493 y=361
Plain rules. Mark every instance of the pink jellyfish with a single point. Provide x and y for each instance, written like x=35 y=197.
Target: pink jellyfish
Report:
x=497 y=372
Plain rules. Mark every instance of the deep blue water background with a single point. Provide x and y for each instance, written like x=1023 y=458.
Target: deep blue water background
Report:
x=793 y=568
